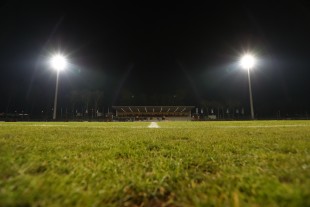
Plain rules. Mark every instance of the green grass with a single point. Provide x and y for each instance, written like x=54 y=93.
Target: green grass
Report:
x=256 y=163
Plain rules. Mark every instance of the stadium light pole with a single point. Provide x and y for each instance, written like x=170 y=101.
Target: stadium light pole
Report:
x=58 y=63
x=247 y=62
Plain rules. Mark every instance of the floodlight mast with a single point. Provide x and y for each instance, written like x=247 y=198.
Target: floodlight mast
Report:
x=56 y=95
x=250 y=91
x=247 y=62
x=58 y=62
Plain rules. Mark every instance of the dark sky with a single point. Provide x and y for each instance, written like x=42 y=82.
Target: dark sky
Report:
x=157 y=48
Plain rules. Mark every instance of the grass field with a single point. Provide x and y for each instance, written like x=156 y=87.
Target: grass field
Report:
x=255 y=163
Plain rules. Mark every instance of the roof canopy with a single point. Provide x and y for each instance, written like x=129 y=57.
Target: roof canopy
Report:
x=153 y=110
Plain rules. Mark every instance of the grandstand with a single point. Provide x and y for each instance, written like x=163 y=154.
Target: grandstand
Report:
x=135 y=113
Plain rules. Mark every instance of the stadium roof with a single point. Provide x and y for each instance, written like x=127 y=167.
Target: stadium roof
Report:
x=153 y=109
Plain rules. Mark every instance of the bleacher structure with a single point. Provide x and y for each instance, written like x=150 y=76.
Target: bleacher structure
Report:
x=135 y=113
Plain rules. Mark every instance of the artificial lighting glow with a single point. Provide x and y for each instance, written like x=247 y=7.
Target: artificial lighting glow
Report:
x=58 y=62
x=247 y=61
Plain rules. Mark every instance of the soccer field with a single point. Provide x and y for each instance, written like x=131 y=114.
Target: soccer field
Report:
x=248 y=163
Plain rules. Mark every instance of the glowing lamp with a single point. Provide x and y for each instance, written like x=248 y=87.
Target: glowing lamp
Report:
x=247 y=61
x=58 y=62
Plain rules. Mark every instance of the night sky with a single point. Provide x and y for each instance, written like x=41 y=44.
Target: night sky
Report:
x=155 y=49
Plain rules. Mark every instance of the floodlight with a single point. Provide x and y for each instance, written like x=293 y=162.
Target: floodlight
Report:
x=58 y=62
x=247 y=61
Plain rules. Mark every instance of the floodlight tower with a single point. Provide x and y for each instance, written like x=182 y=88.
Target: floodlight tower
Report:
x=247 y=62
x=58 y=62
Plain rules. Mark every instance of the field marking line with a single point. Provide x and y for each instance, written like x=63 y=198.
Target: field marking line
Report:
x=236 y=126
x=153 y=125
x=72 y=126
x=39 y=125
x=264 y=126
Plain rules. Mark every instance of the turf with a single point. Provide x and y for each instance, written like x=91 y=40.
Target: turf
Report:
x=255 y=163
